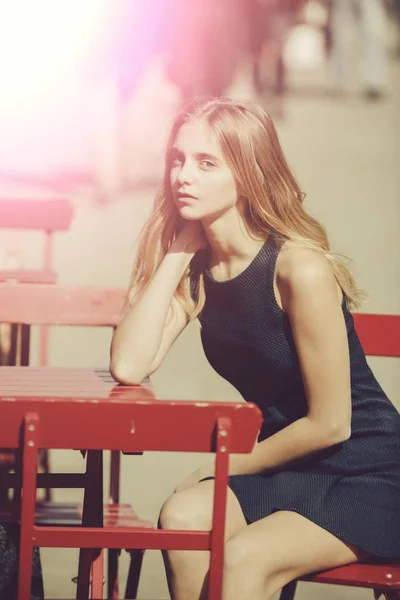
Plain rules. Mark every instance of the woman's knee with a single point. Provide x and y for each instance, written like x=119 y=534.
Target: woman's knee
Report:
x=239 y=553
x=244 y=561
x=242 y=553
x=243 y=556
x=189 y=509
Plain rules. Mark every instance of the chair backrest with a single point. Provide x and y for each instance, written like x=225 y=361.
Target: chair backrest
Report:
x=148 y=425
x=48 y=215
x=379 y=334
x=53 y=304
x=48 y=304
x=44 y=215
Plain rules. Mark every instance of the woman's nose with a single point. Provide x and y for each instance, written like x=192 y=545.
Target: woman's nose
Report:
x=186 y=173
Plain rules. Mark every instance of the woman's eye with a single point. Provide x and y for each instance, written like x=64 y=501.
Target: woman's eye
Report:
x=207 y=164
x=176 y=160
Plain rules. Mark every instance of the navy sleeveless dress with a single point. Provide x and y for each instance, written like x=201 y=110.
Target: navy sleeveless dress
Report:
x=351 y=489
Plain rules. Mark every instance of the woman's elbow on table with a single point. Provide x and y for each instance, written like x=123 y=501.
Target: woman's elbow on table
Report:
x=126 y=375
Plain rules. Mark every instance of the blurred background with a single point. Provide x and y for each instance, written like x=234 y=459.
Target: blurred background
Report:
x=88 y=90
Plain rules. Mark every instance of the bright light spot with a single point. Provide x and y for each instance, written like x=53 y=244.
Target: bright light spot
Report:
x=41 y=42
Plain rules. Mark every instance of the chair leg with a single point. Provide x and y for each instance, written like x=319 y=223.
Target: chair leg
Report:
x=12 y=357
x=97 y=577
x=85 y=562
x=92 y=517
x=44 y=345
x=114 y=476
x=112 y=574
x=25 y=333
x=135 y=567
x=288 y=591
x=44 y=461
x=30 y=435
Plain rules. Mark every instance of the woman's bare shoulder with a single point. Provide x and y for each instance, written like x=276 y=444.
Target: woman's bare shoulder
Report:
x=302 y=272
x=299 y=263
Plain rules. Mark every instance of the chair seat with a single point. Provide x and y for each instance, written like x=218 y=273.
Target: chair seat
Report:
x=70 y=514
x=384 y=575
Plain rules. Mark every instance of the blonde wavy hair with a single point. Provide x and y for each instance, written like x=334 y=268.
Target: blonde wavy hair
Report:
x=272 y=198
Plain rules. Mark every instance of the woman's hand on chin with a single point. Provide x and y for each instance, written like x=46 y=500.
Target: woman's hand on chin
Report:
x=191 y=237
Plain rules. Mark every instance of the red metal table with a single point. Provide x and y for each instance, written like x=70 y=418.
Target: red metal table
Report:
x=69 y=408
x=51 y=392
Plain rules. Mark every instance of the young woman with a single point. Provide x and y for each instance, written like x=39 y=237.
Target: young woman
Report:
x=230 y=242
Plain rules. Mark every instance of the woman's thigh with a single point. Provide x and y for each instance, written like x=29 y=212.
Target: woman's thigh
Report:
x=285 y=546
x=192 y=508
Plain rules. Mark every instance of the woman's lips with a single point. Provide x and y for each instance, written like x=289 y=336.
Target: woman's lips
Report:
x=185 y=196
x=184 y=199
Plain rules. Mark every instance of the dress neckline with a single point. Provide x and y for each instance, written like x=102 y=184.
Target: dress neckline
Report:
x=245 y=271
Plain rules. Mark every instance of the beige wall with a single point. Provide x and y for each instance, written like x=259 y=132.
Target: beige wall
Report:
x=345 y=154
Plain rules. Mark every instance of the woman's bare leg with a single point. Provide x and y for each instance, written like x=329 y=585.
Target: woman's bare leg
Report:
x=268 y=554
x=192 y=509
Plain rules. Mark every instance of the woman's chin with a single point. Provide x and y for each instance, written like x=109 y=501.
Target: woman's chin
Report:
x=188 y=213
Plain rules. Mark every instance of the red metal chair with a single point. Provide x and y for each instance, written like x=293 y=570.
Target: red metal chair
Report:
x=379 y=336
x=47 y=216
x=123 y=420
x=48 y=304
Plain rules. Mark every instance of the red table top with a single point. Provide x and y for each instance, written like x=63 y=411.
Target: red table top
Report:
x=68 y=396
x=85 y=408
x=61 y=383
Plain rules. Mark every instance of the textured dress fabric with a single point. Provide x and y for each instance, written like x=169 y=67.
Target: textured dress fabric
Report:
x=9 y=544
x=351 y=489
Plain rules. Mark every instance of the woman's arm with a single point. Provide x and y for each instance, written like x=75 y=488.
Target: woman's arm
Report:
x=309 y=295
x=145 y=334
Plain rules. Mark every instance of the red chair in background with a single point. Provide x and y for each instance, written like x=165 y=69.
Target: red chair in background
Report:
x=379 y=336
x=46 y=216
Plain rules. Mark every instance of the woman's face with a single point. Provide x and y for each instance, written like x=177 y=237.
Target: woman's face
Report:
x=201 y=182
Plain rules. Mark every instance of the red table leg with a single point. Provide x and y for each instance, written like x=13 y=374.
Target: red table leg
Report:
x=92 y=517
